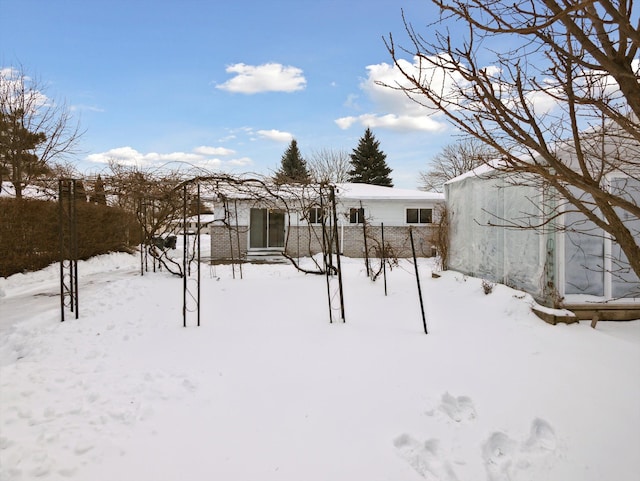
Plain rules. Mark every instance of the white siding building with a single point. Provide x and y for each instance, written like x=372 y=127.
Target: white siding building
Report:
x=250 y=225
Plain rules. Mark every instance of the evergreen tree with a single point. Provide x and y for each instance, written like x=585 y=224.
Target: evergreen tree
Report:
x=35 y=130
x=368 y=162
x=293 y=167
x=18 y=161
x=80 y=192
x=99 y=196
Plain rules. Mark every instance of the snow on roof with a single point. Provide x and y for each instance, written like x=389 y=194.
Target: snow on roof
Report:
x=346 y=190
x=611 y=141
x=480 y=171
x=374 y=192
x=204 y=218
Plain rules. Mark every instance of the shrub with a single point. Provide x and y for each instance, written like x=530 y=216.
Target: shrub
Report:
x=441 y=237
x=30 y=234
x=487 y=286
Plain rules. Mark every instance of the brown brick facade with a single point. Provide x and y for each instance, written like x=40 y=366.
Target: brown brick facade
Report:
x=224 y=242
x=303 y=240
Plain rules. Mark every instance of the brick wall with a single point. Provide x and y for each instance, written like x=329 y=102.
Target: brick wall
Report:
x=304 y=240
x=224 y=242
x=397 y=237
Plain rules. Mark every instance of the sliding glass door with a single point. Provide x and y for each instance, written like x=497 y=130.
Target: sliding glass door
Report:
x=266 y=229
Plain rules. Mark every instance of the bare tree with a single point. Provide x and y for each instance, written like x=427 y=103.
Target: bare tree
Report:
x=561 y=100
x=330 y=166
x=157 y=200
x=35 y=130
x=453 y=160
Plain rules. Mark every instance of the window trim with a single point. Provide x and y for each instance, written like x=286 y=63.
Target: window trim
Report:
x=356 y=215
x=314 y=215
x=419 y=220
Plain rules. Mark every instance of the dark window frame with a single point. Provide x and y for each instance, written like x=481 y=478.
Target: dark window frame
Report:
x=315 y=215
x=418 y=215
x=356 y=215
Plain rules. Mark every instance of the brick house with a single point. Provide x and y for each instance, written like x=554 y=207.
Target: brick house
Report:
x=248 y=226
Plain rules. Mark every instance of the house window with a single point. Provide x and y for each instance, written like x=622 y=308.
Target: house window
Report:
x=314 y=215
x=356 y=216
x=419 y=216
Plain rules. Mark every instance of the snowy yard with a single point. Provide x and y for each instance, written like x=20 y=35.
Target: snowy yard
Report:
x=268 y=389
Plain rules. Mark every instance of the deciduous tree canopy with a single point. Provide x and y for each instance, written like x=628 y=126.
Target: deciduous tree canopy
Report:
x=454 y=160
x=552 y=86
x=35 y=131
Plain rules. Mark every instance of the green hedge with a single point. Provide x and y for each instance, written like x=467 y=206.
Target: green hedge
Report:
x=30 y=235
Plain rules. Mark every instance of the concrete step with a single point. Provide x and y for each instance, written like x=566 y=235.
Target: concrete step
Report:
x=265 y=256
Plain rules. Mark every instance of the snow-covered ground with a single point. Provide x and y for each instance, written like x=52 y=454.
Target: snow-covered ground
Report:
x=268 y=389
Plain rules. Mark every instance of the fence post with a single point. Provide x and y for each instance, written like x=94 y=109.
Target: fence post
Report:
x=415 y=264
x=384 y=259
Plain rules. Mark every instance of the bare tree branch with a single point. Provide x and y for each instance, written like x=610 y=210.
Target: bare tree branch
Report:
x=35 y=130
x=561 y=103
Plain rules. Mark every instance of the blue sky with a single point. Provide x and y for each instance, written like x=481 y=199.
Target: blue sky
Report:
x=224 y=85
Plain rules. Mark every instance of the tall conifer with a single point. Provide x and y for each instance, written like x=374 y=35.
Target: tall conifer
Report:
x=293 y=167
x=368 y=162
x=99 y=196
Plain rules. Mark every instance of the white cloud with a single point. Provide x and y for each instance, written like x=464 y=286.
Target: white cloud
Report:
x=120 y=155
x=203 y=156
x=241 y=162
x=20 y=90
x=401 y=123
x=388 y=99
x=209 y=164
x=393 y=109
x=352 y=102
x=206 y=150
x=88 y=108
x=345 y=122
x=269 y=77
x=276 y=135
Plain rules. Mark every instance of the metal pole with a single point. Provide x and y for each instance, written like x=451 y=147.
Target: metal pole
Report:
x=235 y=205
x=335 y=229
x=198 y=264
x=153 y=229
x=324 y=255
x=142 y=242
x=415 y=264
x=62 y=256
x=70 y=244
x=74 y=248
x=184 y=256
x=298 y=236
x=364 y=235
x=68 y=236
x=228 y=213
x=384 y=259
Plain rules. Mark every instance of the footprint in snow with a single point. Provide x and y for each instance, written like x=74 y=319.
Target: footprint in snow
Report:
x=504 y=458
x=67 y=472
x=459 y=409
x=43 y=465
x=82 y=447
x=497 y=453
x=425 y=458
x=542 y=437
x=189 y=385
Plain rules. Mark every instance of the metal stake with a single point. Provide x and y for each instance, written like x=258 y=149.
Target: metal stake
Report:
x=415 y=264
